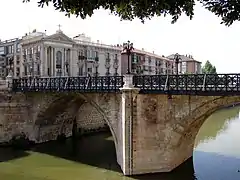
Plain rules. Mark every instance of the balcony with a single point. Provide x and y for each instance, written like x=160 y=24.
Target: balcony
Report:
x=91 y=59
x=81 y=57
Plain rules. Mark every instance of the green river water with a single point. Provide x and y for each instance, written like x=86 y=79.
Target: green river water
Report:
x=216 y=157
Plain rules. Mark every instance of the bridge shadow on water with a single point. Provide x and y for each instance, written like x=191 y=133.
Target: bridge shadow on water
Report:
x=8 y=154
x=98 y=151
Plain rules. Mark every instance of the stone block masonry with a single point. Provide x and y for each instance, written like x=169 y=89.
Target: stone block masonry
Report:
x=151 y=132
x=164 y=130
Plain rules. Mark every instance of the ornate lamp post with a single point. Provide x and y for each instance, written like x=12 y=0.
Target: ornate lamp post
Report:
x=177 y=59
x=128 y=47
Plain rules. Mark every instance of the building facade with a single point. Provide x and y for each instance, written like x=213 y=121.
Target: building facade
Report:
x=10 y=56
x=96 y=58
x=59 y=55
x=187 y=65
x=145 y=63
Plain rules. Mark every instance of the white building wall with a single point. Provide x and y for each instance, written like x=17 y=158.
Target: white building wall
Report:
x=102 y=61
x=74 y=65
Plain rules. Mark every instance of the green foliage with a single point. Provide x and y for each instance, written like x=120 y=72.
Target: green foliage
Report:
x=229 y=11
x=208 y=68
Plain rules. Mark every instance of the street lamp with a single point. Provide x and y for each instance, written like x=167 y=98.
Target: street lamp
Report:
x=177 y=59
x=128 y=47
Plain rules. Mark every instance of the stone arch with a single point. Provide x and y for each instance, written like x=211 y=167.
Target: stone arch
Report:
x=189 y=129
x=49 y=114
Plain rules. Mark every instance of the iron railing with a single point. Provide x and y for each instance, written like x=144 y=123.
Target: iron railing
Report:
x=73 y=84
x=195 y=84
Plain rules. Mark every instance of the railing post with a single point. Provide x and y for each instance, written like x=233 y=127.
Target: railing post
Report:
x=128 y=81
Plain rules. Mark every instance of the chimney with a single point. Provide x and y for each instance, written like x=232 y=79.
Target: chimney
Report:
x=98 y=41
x=142 y=49
x=153 y=52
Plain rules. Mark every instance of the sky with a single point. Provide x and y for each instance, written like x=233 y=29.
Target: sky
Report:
x=203 y=37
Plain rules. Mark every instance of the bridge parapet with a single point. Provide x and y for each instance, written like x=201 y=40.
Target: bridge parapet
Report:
x=183 y=84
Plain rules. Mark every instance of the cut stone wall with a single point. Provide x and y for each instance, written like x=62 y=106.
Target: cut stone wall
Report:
x=43 y=116
x=165 y=129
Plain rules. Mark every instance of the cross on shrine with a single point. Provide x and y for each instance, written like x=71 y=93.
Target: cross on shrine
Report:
x=59 y=27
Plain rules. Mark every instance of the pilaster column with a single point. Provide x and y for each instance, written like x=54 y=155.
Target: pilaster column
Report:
x=45 y=61
x=129 y=93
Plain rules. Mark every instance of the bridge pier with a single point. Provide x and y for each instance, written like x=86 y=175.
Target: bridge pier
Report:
x=129 y=94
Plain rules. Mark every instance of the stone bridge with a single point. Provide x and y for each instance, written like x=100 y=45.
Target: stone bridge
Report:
x=152 y=132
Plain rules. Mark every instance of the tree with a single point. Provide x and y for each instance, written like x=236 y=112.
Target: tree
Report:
x=229 y=11
x=208 y=68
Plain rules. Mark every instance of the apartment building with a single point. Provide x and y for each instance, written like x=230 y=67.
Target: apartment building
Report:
x=96 y=58
x=10 y=54
x=146 y=63
x=187 y=64
x=60 y=55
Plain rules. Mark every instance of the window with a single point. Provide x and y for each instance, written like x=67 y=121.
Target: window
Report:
x=95 y=54
x=184 y=67
x=18 y=47
x=10 y=49
x=88 y=53
x=38 y=69
x=2 y=50
x=149 y=60
x=25 y=70
x=80 y=71
x=108 y=55
x=59 y=60
x=116 y=56
x=89 y=70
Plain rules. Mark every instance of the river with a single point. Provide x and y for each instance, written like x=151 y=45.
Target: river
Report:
x=216 y=157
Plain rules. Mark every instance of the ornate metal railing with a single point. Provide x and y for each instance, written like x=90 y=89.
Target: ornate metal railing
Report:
x=196 y=84
x=61 y=84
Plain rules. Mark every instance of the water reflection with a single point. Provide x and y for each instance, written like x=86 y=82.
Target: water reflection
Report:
x=217 y=151
x=215 y=157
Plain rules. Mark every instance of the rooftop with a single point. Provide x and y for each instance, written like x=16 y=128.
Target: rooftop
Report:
x=184 y=58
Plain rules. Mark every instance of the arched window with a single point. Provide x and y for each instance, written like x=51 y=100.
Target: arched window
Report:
x=59 y=60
